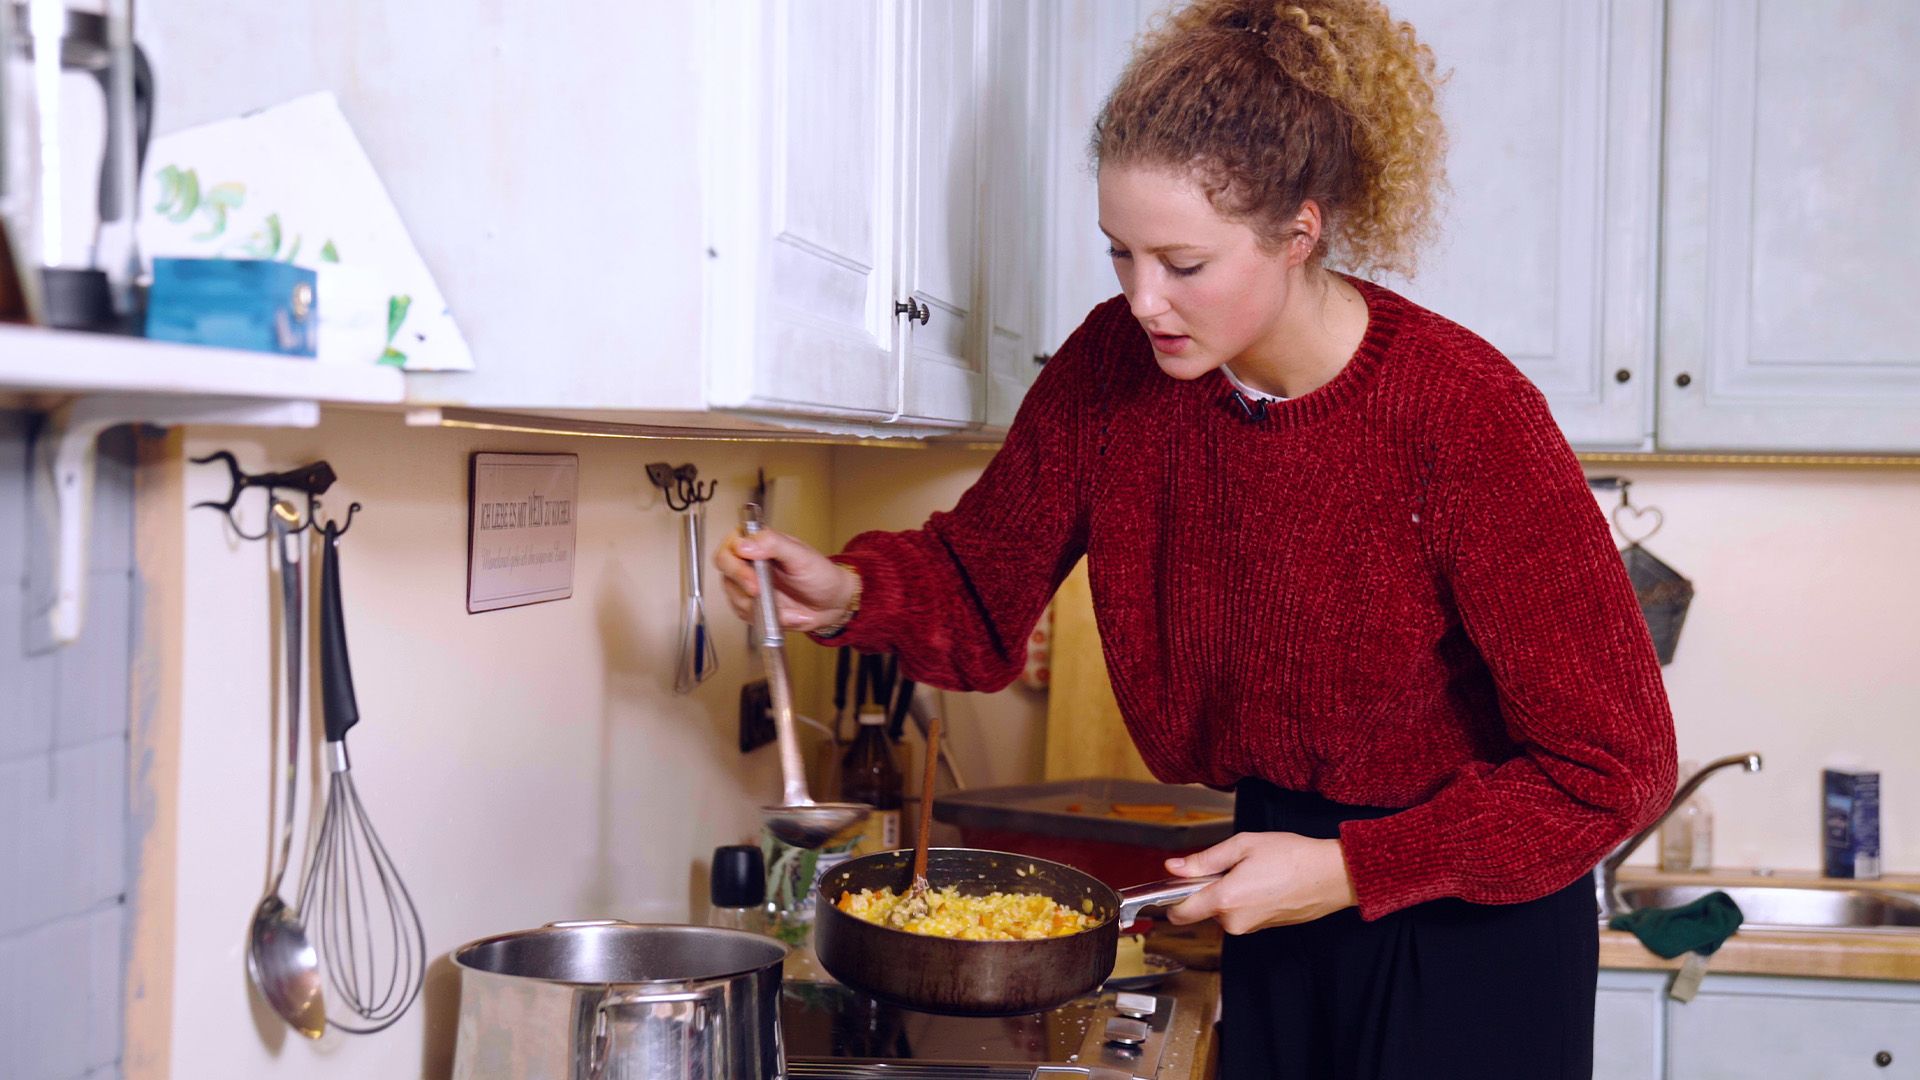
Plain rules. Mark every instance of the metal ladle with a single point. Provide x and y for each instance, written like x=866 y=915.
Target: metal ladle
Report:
x=797 y=820
x=280 y=960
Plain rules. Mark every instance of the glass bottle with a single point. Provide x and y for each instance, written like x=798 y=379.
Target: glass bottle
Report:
x=870 y=774
x=1686 y=837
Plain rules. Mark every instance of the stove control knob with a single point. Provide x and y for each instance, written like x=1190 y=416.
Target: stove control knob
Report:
x=1128 y=1033
x=1138 y=1006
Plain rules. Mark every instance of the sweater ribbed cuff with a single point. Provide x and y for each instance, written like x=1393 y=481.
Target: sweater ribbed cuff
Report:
x=873 y=629
x=1398 y=861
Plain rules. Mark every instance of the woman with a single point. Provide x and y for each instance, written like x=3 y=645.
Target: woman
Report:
x=1341 y=557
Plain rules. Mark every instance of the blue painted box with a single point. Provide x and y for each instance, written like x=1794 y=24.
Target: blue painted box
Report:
x=253 y=304
x=1850 y=806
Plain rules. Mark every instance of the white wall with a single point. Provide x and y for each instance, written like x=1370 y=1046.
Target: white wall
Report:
x=523 y=766
x=1802 y=642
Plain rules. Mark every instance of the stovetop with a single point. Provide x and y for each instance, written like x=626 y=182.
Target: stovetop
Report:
x=832 y=1033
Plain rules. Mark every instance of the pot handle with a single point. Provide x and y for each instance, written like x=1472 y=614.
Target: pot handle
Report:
x=1139 y=898
x=600 y=1053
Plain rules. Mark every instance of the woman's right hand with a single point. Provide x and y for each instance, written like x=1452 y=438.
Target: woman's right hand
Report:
x=811 y=592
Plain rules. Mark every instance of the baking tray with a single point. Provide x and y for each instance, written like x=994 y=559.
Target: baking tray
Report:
x=1206 y=815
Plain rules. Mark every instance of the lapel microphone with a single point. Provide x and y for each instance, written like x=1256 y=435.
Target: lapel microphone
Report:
x=1251 y=411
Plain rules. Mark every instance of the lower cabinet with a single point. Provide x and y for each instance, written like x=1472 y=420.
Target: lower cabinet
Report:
x=1743 y=1027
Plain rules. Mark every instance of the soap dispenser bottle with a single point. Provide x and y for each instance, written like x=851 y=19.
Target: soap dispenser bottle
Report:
x=1686 y=837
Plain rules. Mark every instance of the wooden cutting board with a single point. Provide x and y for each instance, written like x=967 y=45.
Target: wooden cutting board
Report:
x=1085 y=736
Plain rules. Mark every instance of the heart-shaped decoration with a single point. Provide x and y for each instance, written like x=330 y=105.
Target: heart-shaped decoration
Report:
x=1637 y=523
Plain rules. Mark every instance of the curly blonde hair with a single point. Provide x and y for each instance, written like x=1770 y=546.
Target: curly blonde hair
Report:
x=1269 y=104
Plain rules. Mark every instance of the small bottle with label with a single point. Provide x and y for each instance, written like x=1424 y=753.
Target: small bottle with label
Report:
x=869 y=774
x=1686 y=837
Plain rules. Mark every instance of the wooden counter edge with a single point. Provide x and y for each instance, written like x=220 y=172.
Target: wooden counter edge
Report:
x=1810 y=954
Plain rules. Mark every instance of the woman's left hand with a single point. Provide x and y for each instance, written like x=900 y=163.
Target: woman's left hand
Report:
x=1272 y=879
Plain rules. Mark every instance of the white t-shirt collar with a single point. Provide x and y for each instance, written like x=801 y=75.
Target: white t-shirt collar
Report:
x=1247 y=391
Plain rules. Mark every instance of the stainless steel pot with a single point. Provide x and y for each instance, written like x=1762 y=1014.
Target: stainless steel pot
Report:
x=609 y=1000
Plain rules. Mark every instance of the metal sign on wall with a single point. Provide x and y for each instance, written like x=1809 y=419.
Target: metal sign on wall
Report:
x=520 y=529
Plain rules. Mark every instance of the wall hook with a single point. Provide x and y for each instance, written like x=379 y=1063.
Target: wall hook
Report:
x=332 y=529
x=681 y=485
x=312 y=479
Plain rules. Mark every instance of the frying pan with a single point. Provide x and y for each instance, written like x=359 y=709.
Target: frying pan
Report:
x=978 y=978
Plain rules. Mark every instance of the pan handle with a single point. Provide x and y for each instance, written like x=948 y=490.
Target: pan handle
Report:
x=1139 y=898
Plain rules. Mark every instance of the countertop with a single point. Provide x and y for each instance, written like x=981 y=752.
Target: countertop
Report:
x=1824 y=954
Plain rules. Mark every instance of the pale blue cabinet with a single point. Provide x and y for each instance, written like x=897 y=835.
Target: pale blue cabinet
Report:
x=1744 y=1027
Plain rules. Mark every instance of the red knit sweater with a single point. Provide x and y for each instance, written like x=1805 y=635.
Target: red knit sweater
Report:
x=1393 y=591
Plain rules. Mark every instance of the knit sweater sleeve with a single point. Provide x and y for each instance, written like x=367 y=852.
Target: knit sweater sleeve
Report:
x=957 y=598
x=1544 y=598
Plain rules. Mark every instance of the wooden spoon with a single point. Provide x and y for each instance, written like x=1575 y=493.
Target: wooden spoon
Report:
x=914 y=904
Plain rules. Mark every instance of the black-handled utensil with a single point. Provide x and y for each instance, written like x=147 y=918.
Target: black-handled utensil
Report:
x=842 y=670
x=368 y=930
x=902 y=701
x=337 y=702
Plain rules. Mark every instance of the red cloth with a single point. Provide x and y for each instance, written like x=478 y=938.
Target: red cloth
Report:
x=1393 y=591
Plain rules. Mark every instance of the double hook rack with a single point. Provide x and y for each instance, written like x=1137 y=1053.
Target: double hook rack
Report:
x=681 y=485
x=312 y=480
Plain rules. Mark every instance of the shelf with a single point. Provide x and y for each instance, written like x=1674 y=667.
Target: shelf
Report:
x=67 y=362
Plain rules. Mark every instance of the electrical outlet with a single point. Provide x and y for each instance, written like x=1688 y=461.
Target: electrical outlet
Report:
x=756 y=715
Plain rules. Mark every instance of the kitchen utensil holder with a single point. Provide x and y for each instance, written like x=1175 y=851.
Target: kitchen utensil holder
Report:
x=312 y=480
x=1663 y=592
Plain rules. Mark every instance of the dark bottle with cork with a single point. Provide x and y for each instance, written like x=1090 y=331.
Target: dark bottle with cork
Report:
x=869 y=774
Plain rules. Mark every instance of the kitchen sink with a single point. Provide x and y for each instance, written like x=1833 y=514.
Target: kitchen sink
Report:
x=1788 y=907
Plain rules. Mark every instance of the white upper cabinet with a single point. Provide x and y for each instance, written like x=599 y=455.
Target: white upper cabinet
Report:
x=800 y=199
x=1013 y=152
x=941 y=241
x=1548 y=238
x=1091 y=41
x=1791 y=253
x=689 y=210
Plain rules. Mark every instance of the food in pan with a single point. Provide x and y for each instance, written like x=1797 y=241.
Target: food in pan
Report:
x=994 y=917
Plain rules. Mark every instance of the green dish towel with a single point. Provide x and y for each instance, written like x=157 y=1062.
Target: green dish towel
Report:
x=1700 y=926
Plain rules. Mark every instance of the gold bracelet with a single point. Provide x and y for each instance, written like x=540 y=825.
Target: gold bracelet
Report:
x=853 y=608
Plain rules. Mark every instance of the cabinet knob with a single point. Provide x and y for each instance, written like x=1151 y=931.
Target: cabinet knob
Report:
x=913 y=310
x=1040 y=359
x=1683 y=380
x=1883 y=1059
x=1623 y=375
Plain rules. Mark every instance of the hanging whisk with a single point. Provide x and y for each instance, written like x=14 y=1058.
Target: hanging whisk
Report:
x=698 y=658
x=363 y=920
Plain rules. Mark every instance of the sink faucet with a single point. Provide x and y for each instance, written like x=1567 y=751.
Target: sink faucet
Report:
x=1603 y=874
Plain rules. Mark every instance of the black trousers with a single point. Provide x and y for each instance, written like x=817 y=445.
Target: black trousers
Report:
x=1438 y=990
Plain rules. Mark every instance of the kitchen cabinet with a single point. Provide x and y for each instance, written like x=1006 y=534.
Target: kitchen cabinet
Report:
x=1742 y=1027
x=688 y=214
x=1548 y=238
x=1014 y=153
x=944 y=117
x=1629 y=1023
x=1688 y=230
x=1790 y=254
x=1091 y=42
x=798 y=299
